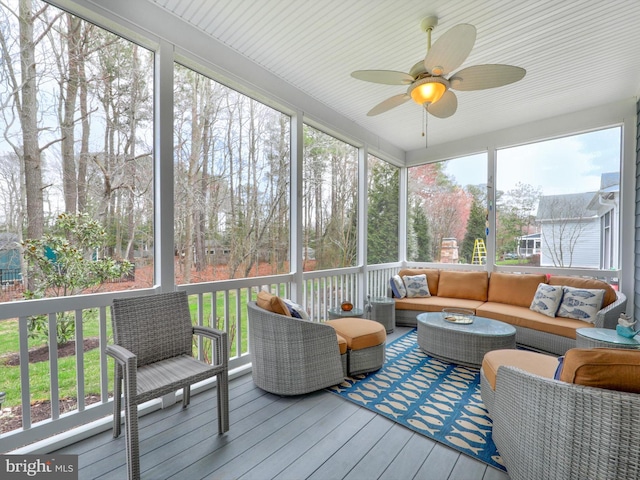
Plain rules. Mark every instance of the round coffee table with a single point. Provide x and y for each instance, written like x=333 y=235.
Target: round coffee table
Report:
x=465 y=344
x=603 y=337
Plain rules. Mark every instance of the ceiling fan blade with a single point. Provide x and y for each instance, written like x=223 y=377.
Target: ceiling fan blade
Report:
x=387 y=77
x=388 y=104
x=480 y=77
x=450 y=50
x=445 y=107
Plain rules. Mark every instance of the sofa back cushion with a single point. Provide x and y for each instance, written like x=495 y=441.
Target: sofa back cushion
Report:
x=433 y=274
x=469 y=285
x=610 y=368
x=590 y=283
x=514 y=288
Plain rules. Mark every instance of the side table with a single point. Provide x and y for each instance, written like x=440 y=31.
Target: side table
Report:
x=383 y=310
x=337 y=312
x=603 y=337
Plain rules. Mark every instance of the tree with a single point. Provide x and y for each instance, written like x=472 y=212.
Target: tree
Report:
x=383 y=214
x=476 y=225
x=66 y=262
x=422 y=235
x=515 y=215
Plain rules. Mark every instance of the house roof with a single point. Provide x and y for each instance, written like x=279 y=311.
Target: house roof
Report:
x=572 y=206
x=578 y=55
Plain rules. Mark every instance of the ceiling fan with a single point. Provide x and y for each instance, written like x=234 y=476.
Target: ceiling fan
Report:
x=431 y=81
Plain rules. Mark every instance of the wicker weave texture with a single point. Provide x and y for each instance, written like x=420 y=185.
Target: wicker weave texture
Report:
x=466 y=347
x=546 y=429
x=290 y=356
x=152 y=352
x=367 y=359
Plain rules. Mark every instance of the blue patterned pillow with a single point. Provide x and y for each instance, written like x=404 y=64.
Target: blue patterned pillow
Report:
x=556 y=376
x=297 y=311
x=416 y=285
x=397 y=287
x=581 y=303
x=547 y=299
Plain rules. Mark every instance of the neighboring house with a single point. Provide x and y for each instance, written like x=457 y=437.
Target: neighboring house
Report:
x=577 y=230
x=606 y=203
x=529 y=245
x=570 y=231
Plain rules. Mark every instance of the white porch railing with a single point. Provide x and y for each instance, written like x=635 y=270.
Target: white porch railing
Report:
x=219 y=304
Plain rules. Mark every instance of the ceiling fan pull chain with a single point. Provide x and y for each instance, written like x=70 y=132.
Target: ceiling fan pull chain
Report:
x=424 y=122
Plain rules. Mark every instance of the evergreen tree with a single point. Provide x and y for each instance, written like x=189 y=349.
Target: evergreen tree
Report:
x=422 y=234
x=383 y=214
x=476 y=225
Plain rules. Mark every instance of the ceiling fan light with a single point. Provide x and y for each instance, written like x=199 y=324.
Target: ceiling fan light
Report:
x=428 y=90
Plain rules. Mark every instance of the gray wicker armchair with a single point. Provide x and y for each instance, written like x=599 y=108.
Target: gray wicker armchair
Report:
x=290 y=356
x=547 y=429
x=153 y=356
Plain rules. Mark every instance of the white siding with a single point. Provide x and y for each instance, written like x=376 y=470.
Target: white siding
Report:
x=586 y=252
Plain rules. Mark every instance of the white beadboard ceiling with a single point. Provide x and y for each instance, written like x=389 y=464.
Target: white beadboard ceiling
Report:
x=578 y=54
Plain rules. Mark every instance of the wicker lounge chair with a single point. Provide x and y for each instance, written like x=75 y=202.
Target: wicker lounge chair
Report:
x=290 y=356
x=153 y=356
x=547 y=429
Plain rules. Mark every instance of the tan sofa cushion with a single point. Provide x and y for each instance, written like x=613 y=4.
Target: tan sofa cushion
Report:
x=359 y=332
x=435 y=304
x=514 y=288
x=523 y=317
x=610 y=368
x=577 y=282
x=532 y=362
x=433 y=274
x=272 y=303
x=467 y=285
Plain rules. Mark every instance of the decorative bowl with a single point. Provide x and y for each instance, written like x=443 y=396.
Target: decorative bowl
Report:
x=458 y=315
x=346 y=306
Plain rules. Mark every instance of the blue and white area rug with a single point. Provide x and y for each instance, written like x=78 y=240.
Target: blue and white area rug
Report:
x=437 y=399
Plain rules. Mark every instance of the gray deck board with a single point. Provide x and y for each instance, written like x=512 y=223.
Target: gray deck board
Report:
x=315 y=436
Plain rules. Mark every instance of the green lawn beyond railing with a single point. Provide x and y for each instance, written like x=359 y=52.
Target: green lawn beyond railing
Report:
x=39 y=372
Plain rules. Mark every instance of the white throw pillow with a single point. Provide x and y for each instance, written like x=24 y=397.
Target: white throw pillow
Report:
x=297 y=311
x=547 y=299
x=581 y=303
x=416 y=285
x=397 y=287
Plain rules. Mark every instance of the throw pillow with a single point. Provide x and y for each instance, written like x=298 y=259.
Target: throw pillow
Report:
x=397 y=287
x=416 y=285
x=272 y=303
x=581 y=303
x=556 y=376
x=297 y=311
x=547 y=299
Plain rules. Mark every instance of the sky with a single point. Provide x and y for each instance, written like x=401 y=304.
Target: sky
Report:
x=564 y=165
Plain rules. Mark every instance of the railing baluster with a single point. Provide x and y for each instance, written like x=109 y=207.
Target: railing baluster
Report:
x=104 y=365
x=53 y=367
x=25 y=384
x=79 y=359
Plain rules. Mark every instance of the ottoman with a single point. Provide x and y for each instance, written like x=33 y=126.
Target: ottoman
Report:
x=366 y=340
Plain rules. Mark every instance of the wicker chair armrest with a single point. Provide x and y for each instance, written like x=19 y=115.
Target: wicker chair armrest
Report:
x=608 y=316
x=545 y=428
x=121 y=355
x=220 y=341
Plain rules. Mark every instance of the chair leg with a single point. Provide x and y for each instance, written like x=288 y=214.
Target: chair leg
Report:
x=117 y=403
x=222 y=384
x=131 y=423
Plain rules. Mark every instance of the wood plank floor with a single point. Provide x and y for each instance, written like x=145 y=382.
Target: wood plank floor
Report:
x=318 y=436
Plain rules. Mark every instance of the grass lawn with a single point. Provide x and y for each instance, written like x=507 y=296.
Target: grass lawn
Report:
x=39 y=372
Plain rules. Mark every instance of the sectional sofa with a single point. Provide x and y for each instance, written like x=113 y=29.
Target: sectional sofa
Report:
x=508 y=297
